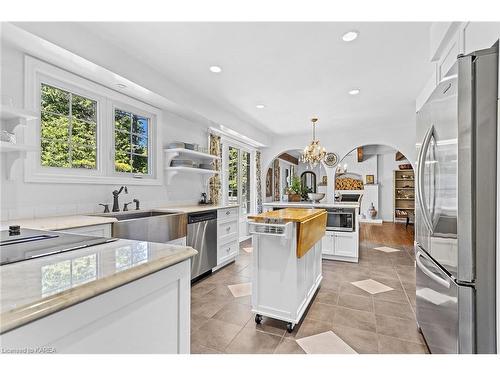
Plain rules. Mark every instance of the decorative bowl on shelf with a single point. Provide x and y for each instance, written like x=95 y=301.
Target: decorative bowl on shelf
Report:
x=315 y=197
x=181 y=163
x=176 y=145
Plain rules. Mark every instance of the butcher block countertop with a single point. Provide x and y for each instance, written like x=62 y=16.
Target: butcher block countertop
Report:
x=296 y=215
x=310 y=222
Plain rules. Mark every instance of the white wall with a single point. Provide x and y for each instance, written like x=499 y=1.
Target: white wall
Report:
x=25 y=200
x=367 y=166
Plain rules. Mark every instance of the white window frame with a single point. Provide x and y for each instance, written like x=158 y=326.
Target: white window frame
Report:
x=38 y=72
x=152 y=162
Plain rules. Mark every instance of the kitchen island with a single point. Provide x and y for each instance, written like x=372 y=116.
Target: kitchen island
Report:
x=120 y=297
x=341 y=239
x=286 y=262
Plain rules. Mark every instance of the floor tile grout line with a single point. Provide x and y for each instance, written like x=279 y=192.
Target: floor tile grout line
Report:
x=407 y=298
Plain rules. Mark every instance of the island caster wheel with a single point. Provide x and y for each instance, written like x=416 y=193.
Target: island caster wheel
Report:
x=258 y=318
x=290 y=327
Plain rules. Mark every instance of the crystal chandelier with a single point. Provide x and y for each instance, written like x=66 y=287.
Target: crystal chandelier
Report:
x=313 y=153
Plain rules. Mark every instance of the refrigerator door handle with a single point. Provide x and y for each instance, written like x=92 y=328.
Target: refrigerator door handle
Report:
x=430 y=274
x=420 y=181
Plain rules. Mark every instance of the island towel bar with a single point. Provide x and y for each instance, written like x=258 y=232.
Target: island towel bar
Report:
x=279 y=230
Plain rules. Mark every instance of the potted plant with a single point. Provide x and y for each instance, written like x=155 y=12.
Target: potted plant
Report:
x=294 y=191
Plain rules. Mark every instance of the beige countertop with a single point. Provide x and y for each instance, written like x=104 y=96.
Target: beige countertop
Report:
x=194 y=208
x=75 y=221
x=32 y=289
x=59 y=222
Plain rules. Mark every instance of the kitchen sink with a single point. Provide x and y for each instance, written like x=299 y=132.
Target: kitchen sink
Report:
x=128 y=215
x=149 y=225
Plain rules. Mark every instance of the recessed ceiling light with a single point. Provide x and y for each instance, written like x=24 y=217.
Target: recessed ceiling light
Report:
x=121 y=86
x=350 y=36
x=260 y=106
x=354 y=92
x=215 y=69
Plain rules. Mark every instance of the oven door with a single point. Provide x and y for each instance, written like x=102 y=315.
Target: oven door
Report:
x=340 y=221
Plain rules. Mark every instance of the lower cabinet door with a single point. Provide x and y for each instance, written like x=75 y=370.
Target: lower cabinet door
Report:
x=327 y=244
x=344 y=244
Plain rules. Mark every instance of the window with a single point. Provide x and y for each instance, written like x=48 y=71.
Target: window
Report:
x=131 y=142
x=239 y=185
x=245 y=182
x=88 y=133
x=232 y=191
x=68 y=129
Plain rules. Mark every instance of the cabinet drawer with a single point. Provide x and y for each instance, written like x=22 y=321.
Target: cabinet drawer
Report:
x=227 y=227
x=221 y=240
x=227 y=251
x=227 y=213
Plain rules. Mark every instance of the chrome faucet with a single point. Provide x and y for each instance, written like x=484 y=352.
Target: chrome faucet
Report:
x=116 y=206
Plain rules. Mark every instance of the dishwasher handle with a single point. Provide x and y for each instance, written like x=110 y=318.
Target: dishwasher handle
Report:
x=202 y=216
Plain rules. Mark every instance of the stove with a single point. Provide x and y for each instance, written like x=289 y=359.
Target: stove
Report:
x=17 y=245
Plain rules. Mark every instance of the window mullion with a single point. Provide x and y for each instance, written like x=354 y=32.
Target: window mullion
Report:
x=70 y=130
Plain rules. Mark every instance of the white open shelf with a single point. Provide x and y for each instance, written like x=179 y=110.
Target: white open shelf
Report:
x=191 y=170
x=172 y=153
x=11 y=113
x=204 y=173
x=13 y=147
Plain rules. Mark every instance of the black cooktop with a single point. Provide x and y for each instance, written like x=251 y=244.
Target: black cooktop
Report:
x=19 y=244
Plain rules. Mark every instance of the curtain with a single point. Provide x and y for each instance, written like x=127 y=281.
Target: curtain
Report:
x=258 y=182
x=215 y=181
x=276 y=173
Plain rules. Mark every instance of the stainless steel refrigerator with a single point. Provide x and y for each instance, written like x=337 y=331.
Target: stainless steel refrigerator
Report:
x=455 y=215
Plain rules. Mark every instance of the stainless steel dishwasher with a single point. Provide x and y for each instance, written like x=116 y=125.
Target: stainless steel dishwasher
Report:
x=202 y=236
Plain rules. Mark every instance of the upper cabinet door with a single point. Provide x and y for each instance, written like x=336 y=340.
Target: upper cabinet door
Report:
x=480 y=35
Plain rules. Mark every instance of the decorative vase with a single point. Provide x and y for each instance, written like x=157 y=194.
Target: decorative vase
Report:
x=294 y=197
x=372 y=212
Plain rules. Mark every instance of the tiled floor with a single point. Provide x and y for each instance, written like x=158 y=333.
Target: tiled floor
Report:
x=374 y=316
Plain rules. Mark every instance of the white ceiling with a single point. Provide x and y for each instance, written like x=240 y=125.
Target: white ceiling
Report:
x=298 y=70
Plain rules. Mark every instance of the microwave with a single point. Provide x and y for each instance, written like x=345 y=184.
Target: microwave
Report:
x=341 y=219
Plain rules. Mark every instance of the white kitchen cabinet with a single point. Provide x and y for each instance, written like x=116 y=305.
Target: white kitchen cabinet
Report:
x=100 y=230
x=344 y=244
x=340 y=246
x=480 y=35
x=327 y=244
x=448 y=40
x=228 y=245
x=149 y=315
x=449 y=57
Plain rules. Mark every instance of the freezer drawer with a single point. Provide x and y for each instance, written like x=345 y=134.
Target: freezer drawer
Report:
x=444 y=309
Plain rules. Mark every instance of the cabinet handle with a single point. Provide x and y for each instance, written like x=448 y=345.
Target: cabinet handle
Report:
x=228 y=249
x=228 y=212
x=228 y=229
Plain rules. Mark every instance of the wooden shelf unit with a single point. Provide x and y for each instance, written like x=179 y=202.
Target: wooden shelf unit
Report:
x=403 y=195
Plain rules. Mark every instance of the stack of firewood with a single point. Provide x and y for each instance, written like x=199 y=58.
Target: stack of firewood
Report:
x=348 y=183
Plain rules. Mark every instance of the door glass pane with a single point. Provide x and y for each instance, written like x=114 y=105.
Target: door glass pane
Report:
x=232 y=191
x=245 y=182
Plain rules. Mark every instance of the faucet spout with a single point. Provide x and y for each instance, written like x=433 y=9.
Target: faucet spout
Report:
x=116 y=193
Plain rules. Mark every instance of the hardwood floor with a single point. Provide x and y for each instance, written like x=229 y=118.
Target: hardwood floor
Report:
x=389 y=234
